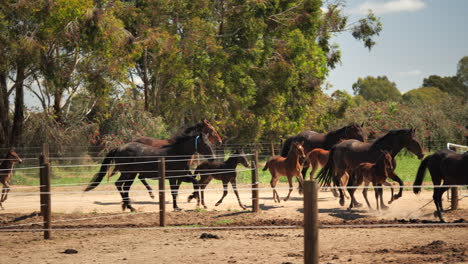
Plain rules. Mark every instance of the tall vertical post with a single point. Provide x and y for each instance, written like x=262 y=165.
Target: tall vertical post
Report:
x=255 y=196
x=44 y=172
x=454 y=201
x=311 y=246
x=162 y=191
x=272 y=149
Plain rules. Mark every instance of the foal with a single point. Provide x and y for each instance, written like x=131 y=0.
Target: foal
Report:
x=376 y=173
x=289 y=167
x=223 y=171
x=6 y=172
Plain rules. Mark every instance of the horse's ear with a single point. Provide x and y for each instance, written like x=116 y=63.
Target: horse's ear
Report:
x=362 y=125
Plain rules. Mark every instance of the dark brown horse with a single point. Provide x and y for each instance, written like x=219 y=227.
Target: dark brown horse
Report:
x=289 y=167
x=223 y=171
x=203 y=127
x=347 y=155
x=6 y=172
x=375 y=173
x=136 y=158
x=447 y=168
x=313 y=140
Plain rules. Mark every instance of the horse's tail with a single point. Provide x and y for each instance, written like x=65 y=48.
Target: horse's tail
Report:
x=420 y=175
x=286 y=147
x=325 y=175
x=266 y=166
x=97 y=178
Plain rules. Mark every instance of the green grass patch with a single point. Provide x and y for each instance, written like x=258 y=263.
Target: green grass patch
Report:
x=223 y=222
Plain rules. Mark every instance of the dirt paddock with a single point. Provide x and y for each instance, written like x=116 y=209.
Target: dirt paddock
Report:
x=95 y=230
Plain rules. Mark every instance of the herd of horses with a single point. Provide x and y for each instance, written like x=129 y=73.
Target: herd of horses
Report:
x=347 y=158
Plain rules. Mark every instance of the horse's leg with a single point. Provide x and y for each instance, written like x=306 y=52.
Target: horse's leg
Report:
x=364 y=193
x=225 y=191
x=148 y=187
x=376 y=190
x=174 y=190
x=196 y=186
x=234 y=186
x=344 y=182
x=386 y=183
x=119 y=184
x=3 y=198
x=336 y=181
x=438 y=202
x=314 y=165
x=274 y=180
x=129 y=178
x=205 y=179
x=395 y=177
x=382 y=205
x=351 y=191
x=290 y=187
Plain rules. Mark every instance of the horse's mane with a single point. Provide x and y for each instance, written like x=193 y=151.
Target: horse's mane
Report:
x=183 y=135
x=385 y=137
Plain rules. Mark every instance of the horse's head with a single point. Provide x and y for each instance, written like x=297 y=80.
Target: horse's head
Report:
x=354 y=131
x=388 y=161
x=412 y=143
x=211 y=132
x=298 y=149
x=241 y=158
x=13 y=156
x=202 y=145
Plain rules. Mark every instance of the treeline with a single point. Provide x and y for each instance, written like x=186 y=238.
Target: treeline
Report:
x=107 y=71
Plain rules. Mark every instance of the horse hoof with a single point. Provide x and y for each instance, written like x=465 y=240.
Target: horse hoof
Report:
x=390 y=202
x=358 y=204
x=342 y=202
x=383 y=207
x=177 y=209
x=396 y=196
x=206 y=207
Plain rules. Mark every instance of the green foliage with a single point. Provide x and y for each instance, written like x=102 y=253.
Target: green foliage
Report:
x=424 y=95
x=127 y=122
x=377 y=89
x=449 y=84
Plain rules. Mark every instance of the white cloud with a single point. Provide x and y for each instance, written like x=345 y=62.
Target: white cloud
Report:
x=411 y=73
x=393 y=6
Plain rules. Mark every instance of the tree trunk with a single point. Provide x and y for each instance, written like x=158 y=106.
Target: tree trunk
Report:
x=18 y=117
x=4 y=110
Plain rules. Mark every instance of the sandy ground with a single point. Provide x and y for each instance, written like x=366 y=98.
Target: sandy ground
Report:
x=110 y=241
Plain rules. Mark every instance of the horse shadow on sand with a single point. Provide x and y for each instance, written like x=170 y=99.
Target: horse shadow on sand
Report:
x=341 y=213
x=118 y=203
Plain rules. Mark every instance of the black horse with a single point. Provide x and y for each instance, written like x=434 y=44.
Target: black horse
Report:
x=445 y=166
x=313 y=140
x=347 y=155
x=136 y=158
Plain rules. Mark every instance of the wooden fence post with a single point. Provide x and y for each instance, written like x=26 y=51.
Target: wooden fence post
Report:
x=454 y=201
x=44 y=173
x=162 y=191
x=311 y=246
x=255 y=196
x=272 y=149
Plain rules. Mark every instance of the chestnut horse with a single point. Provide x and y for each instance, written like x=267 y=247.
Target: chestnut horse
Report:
x=223 y=171
x=447 y=168
x=375 y=173
x=6 y=172
x=319 y=157
x=289 y=167
x=347 y=155
x=313 y=140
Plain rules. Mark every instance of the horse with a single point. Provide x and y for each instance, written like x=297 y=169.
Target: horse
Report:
x=6 y=172
x=375 y=173
x=289 y=167
x=313 y=140
x=203 y=127
x=223 y=171
x=319 y=157
x=136 y=158
x=447 y=168
x=347 y=155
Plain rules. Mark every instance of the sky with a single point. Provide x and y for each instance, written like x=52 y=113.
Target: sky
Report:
x=419 y=38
